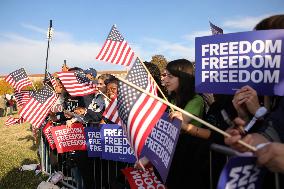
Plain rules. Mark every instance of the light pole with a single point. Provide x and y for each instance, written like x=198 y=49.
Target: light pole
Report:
x=49 y=37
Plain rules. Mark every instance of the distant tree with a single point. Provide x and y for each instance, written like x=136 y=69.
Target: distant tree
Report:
x=38 y=85
x=160 y=61
x=5 y=88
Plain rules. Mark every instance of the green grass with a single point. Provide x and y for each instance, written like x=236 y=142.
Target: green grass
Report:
x=17 y=147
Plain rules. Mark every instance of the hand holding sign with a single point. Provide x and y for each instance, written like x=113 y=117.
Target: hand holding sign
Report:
x=236 y=135
x=272 y=156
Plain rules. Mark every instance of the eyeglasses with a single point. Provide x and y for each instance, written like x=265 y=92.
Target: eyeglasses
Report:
x=167 y=75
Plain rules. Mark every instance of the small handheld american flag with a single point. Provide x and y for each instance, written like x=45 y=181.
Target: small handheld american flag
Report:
x=23 y=97
x=215 y=29
x=76 y=83
x=39 y=105
x=18 y=79
x=115 y=49
x=138 y=111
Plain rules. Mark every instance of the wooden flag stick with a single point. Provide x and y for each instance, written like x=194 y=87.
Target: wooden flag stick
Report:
x=154 y=81
x=104 y=95
x=252 y=148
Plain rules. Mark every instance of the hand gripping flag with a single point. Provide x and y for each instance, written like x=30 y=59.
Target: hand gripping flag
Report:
x=39 y=105
x=138 y=111
x=22 y=97
x=215 y=29
x=115 y=49
x=18 y=79
x=76 y=83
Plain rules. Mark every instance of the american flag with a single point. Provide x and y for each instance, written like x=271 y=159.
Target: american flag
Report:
x=138 y=111
x=12 y=121
x=137 y=65
x=39 y=105
x=215 y=29
x=51 y=79
x=18 y=79
x=116 y=50
x=76 y=83
x=22 y=97
x=111 y=112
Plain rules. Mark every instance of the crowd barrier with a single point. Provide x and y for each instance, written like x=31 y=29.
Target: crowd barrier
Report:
x=105 y=175
x=107 y=172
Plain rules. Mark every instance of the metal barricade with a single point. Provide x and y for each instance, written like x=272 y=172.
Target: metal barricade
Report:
x=106 y=172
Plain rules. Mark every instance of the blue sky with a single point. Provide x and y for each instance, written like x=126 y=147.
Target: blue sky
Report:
x=81 y=27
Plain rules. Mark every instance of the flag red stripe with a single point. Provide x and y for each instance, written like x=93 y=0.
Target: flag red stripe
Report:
x=111 y=51
x=134 y=118
x=125 y=57
x=116 y=54
x=149 y=129
x=101 y=50
x=73 y=87
x=130 y=59
x=142 y=120
x=106 y=50
x=35 y=112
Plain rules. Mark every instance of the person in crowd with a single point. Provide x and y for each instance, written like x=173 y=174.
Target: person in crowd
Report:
x=101 y=86
x=111 y=87
x=101 y=82
x=57 y=111
x=156 y=74
x=246 y=100
x=2 y=106
x=91 y=74
x=64 y=67
x=270 y=132
x=272 y=157
x=87 y=110
x=90 y=108
x=10 y=105
x=188 y=155
x=163 y=75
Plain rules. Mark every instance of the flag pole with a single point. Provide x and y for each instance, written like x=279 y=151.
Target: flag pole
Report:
x=104 y=95
x=252 y=148
x=154 y=81
x=49 y=36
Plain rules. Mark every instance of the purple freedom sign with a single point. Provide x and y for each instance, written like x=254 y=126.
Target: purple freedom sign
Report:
x=93 y=141
x=241 y=172
x=161 y=143
x=115 y=145
x=225 y=63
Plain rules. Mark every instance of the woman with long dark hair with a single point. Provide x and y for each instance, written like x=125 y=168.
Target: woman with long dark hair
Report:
x=186 y=167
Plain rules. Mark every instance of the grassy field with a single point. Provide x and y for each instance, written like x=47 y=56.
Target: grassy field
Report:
x=16 y=149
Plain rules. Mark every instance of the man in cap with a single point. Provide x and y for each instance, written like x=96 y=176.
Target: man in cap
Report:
x=91 y=73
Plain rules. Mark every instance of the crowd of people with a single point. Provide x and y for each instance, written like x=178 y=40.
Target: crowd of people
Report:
x=191 y=162
x=7 y=105
x=256 y=120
